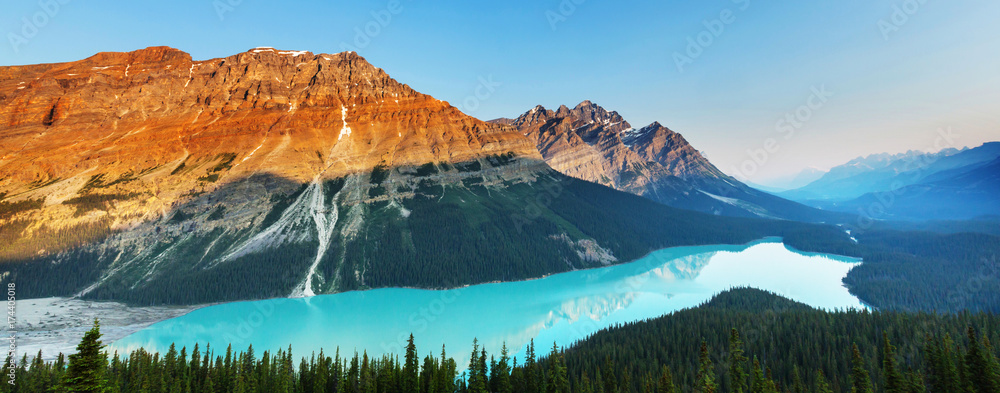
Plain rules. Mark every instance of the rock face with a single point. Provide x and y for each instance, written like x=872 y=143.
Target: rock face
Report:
x=156 y=108
x=593 y=144
x=143 y=131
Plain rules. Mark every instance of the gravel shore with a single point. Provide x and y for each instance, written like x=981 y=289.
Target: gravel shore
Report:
x=55 y=325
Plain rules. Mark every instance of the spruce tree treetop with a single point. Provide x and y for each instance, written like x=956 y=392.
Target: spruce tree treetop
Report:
x=860 y=381
x=86 y=367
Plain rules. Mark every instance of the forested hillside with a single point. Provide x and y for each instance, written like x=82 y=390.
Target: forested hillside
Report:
x=916 y=270
x=439 y=235
x=794 y=345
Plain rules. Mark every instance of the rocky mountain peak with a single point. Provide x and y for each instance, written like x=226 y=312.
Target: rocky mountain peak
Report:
x=660 y=144
x=156 y=123
x=586 y=118
x=595 y=144
x=563 y=111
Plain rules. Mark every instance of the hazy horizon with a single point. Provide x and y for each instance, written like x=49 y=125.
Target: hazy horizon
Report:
x=881 y=76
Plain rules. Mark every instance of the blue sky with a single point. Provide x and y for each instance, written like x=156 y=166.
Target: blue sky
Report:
x=891 y=73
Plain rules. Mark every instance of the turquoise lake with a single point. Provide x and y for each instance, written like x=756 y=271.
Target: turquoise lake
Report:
x=561 y=308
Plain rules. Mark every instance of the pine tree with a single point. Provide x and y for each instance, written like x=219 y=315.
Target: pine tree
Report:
x=648 y=386
x=353 y=375
x=58 y=369
x=427 y=375
x=761 y=382
x=666 y=382
x=771 y=386
x=195 y=368
x=915 y=382
x=483 y=369
x=933 y=364
x=977 y=364
x=737 y=363
x=208 y=387
x=531 y=381
x=822 y=385
x=87 y=365
x=410 y=367
x=950 y=374
x=585 y=386
x=36 y=381
x=477 y=383
x=366 y=382
x=599 y=382
x=705 y=380
x=758 y=384
x=860 y=381
x=503 y=384
x=797 y=385
x=894 y=381
x=558 y=381
x=992 y=362
x=445 y=379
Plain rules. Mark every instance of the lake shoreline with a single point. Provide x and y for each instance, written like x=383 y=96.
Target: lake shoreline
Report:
x=563 y=307
x=69 y=318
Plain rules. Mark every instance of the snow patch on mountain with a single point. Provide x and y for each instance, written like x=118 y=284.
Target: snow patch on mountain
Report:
x=346 y=130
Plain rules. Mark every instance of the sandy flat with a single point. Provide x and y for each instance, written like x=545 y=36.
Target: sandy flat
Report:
x=56 y=325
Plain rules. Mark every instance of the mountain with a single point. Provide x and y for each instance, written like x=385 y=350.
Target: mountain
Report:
x=151 y=178
x=502 y=120
x=955 y=194
x=883 y=172
x=593 y=144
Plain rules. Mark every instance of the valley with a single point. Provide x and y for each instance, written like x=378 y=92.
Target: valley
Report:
x=274 y=199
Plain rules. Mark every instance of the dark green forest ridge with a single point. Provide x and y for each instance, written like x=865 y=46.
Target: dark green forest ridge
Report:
x=743 y=340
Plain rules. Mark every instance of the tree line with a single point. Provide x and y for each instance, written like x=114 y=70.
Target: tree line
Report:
x=617 y=360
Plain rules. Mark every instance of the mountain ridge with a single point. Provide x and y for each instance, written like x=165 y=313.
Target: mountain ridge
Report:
x=591 y=143
x=885 y=171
